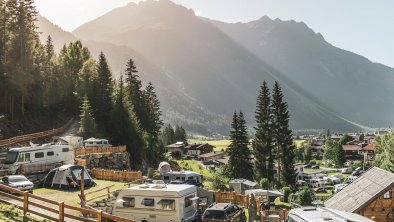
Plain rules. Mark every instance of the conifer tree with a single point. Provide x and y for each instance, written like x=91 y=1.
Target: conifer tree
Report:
x=262 y=143
x=88 y=125
x=180 y=134
x=154 y=121
x=282 y=138
x=240 y=166
x=168 y=135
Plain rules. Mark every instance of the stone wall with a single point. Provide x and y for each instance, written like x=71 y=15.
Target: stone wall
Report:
x=116 y=161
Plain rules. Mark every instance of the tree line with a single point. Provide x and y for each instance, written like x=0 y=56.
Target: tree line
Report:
x=272 y=147
x=35 y=80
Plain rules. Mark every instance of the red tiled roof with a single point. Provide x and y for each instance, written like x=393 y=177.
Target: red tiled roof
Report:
x=369 y=147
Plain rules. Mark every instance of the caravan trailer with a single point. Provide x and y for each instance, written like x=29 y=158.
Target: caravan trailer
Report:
x=167 y=177
x=38 y=158
x=93 y=142
x=158 y=203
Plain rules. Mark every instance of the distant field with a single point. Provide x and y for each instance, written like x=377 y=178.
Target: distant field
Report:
x=218 y=144
x=299 y=142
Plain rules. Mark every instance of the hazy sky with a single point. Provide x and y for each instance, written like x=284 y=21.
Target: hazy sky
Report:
x=362 y=26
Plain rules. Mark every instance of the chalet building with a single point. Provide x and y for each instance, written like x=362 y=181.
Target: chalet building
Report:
x=198 y=149
x=222 y=161
x=211 y=156
x=370 y=195
x=359 y=151
x=176 y=149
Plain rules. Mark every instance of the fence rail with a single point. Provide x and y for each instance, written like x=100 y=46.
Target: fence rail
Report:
x=233 y=197
x=28 y=137
x=50 y=209
x=89 y=150
x=115 y=175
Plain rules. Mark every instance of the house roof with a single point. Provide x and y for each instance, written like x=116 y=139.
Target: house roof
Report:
x=223 y=160
x=244 y=181
x=365 y=189
x=369 y=147
x=211 y=154
x=351 y=148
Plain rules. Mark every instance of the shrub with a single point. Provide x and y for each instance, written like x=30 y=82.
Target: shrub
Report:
x=286 y=193
x=264 y=183
x=312 y=162
x=305 y=197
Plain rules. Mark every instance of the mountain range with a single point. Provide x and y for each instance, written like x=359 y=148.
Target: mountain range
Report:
x=203 y=69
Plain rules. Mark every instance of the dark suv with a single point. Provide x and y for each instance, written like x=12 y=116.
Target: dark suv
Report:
x=221 y=212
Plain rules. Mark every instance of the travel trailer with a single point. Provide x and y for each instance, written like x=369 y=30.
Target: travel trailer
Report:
x=158 y=203
x=37 y=158
x=93 y=142
x=167 y=177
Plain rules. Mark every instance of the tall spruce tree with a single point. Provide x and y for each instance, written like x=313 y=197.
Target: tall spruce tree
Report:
x=282 y=138
x=262 y=143
x=88 y=124
x=168 y=135
x=154 y=121
x=240 y=165
x=102 y=96
x=180 y=134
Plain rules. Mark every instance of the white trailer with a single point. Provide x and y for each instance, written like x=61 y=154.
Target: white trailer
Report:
x=37 y=158
x=158 y=203
x=167 y=177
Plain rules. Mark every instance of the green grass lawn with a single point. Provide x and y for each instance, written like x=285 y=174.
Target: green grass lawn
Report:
x=71 y=197
x=218 y=144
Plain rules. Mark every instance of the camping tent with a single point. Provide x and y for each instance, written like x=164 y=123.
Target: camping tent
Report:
x=67 y=177
x=164 y=167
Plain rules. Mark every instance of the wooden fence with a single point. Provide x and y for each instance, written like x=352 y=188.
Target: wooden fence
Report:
x=28 y=137
x=239 y=199
x=52 y=210
x=106 y=174
x=88 y=150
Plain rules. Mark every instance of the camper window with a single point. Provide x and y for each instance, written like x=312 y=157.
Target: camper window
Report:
x=190 y=178
x=27 y=157
x=39 y=155
x=148 y=202
x=166 y=178
x=188 y=201
x=21 y=158
x=66 y=149
x=128 y=201
x=50 y=153
x=183 y=178
x=167 y=204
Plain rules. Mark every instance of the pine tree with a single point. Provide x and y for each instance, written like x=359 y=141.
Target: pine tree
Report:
x=238 y=150
x=154 y=121
x=282 y=138
x=180 y=134
x=88 y=125
x=262 y=143
x=168 y=135
x=102 y=95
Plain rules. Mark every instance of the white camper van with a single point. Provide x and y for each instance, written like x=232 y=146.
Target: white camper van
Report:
x=167 y=177
x=93 y=142
x=38 y=158
x=158 y=203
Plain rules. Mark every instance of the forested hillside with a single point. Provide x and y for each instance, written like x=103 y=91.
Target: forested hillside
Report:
x=36 y=82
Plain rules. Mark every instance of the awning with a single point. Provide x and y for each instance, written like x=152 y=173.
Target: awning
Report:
x=193 y=198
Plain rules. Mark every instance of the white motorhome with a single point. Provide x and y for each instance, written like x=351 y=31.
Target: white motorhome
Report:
x=321 y=214
x=158 y=203
x=38 y=158
x=93 y=142
x=167 y=177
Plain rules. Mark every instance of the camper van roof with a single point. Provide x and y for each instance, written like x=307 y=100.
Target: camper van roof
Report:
x=35 y=147
x=95 y=140
x=169 y=189
x=187 y=172
x=320 y=214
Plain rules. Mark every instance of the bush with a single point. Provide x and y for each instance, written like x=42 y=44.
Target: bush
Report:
x=286 y=193
x=312 y=162
x=264 y=183
x=305 y=197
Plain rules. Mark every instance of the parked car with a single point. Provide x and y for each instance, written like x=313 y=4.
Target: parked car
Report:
x=357 y=173
x=320 y=190
x=347 y=170
x=307 y=166
x=339 y=187
x=18 y=182
x=224 y=212
x=315 y=167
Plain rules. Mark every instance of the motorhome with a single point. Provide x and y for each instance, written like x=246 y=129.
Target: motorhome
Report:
x=167 y=177
x=321 y=214
x=93 y=142
x=157 y=203
x=37 y=158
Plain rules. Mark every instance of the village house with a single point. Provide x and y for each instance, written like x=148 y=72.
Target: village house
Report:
x=198 y=149
x=176 y=149
x=370 y=195
x=211 y=156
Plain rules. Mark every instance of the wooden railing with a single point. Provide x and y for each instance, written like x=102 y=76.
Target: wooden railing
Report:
x=107 y=194
x=239 y=199
x=115 y=175
x=88 y=150
x=51 y=209
x=28 y=137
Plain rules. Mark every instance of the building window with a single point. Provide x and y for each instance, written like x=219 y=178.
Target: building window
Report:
x=50 y=153
x=167 y=204
x=387 y=195
x=39 y=155
x=128 y=201
x=148 y=202
x=66 y=149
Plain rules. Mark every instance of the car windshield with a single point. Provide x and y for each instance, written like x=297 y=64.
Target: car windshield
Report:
x=214 y=214
x=11 y=157
x=17 y=179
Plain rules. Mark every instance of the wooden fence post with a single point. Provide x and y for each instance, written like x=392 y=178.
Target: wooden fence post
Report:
x=99 y=215
x=108 y=193
x=25 y=202
x=61 y=211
